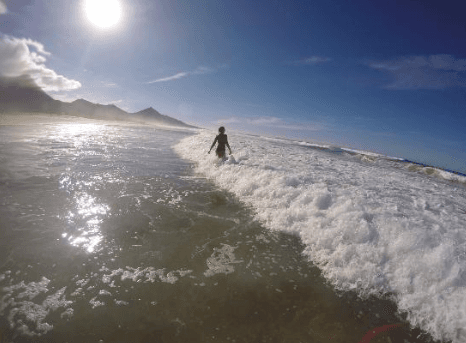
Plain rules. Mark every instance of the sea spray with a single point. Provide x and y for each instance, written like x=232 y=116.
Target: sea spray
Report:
x=374 y=228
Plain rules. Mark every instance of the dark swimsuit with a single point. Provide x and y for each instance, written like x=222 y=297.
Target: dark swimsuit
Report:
x=222 y=140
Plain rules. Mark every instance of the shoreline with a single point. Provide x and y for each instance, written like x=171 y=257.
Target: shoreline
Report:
x=31 y=118
x=28 y=118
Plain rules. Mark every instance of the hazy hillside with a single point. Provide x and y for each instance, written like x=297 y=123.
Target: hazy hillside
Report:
x=23 y=95
x=149 y=114
x=88 y=109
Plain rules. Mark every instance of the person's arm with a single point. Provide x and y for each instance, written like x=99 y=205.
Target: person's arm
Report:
x=226 y=143
x=213 y=144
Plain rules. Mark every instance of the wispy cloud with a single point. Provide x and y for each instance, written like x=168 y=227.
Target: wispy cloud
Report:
x=16 y=59
x=312 y=60
x=171 y=78
x=180 y=75
x=271 y=122
x=253 y=120
x=416 y=72
x=3 y=8
x=68 y=96
x=109 y=84
x=115 y=102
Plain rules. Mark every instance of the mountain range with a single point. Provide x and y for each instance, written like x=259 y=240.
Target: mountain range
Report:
x=21 y=94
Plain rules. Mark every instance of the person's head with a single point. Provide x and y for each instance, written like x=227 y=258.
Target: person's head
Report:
x=221 y=129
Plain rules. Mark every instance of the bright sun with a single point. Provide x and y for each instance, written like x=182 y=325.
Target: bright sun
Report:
x=103 y=13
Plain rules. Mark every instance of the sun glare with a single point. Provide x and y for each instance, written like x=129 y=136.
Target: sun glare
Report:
x=103 y=13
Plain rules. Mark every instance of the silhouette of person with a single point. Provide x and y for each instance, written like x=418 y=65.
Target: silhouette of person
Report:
x=222 y=141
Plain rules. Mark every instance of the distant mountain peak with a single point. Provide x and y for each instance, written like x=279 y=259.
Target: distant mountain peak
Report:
x=82 y=101
x=150 y=114
x=149 y=111
x=23 y=95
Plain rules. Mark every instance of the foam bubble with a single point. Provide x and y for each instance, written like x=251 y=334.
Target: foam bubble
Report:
x=221 y=261
x=372 y=227
x=27 y=316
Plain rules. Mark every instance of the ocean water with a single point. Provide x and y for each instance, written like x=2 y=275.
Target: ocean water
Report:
x=372 y=224
x=130 y=233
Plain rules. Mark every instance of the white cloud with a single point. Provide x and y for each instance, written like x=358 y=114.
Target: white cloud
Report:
x=17 y=59
x=232 y=120
x=109 y=84
x=315 y=60
x=197 y=71
x=415 y=72
x=170 y=78
x=202 y=70
x=312 y=60
x=3 y=8
x=67 y=97
x=252 y=120
x=264 y=121
x=271 y=122
x=447 y=62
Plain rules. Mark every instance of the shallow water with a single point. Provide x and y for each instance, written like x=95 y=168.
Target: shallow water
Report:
x=106 y=235
x=372 y=224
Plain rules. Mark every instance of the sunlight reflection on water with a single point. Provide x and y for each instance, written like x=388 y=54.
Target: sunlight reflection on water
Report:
x=67 y=130
x=86 y=214
x=87 y=234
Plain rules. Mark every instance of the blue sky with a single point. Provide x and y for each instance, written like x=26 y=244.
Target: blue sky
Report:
x=388 y=76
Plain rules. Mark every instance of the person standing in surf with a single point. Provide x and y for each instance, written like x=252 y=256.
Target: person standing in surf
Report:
x=222 y=141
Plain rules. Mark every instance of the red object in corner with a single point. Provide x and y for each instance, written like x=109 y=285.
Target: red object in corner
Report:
x=374 y=332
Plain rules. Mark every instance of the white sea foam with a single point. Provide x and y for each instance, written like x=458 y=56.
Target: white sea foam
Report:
x=369 y=153
x=371 y=227
x=28 y=316
x=435 y=172
x=148 y=274
x=221 y=261
x=323 y=146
